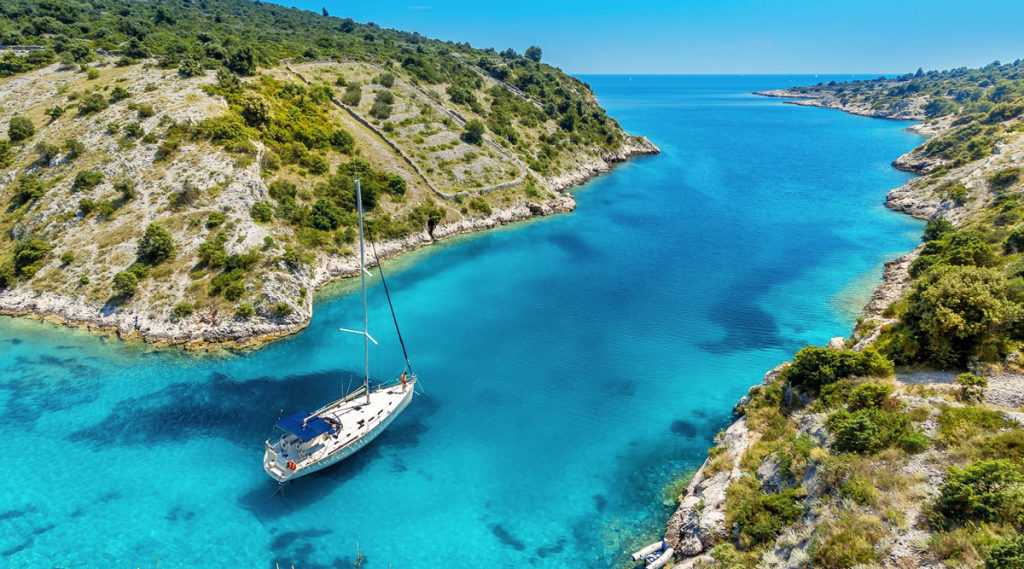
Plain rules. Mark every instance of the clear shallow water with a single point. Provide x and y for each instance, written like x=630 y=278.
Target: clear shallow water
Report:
x=572 y=365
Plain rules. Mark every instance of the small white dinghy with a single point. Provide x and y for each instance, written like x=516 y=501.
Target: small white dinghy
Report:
x=655 y=555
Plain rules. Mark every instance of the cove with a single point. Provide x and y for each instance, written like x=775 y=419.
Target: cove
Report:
x=571 y=366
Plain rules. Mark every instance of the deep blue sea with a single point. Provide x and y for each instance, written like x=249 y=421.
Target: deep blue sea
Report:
x=571 y=365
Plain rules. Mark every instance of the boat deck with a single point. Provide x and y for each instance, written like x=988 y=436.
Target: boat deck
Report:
x=352 y=420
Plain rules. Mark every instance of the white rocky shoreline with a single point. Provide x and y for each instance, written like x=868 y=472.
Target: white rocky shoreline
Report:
x=699 y=521
x=213 y=332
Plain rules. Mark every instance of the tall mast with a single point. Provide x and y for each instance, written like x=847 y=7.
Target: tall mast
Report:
x=362 y=275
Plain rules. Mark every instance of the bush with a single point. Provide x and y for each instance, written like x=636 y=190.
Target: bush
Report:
x=987 y=491
x=342 y=141
x=955 y=313
x=119 y=94
x=214 y=219
x=1006 y=554
x=47 y=152
x=156 y=245
x=814 y=367
x=387 y=80
x=20 y=128
x=28 y=256
x=353 y=94
x=91 y=104
x=262 y=211
x=868 y=396
x=1014 y=242
x=67 y=258
x=281 y=310
x=183 y=309
x=86 y=205
x=190 y=68
x=234 y=291
x=380 y=110
x=972 y=387
x=87 y=180
x=74 y=148
x=760 y=517
x=30 y=187
x=396 y=185
x=244 y=311
x=125 y=283
x=1003 y=179
x=474 y=133
x=867 y=431
x=125 y=187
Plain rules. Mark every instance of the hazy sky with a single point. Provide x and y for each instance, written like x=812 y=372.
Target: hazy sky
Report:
x=716 y=36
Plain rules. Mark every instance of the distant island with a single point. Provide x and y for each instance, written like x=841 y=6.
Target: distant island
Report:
x=185 y=173
x=902 y=445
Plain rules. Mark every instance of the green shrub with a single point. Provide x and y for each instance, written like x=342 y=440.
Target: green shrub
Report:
x=387 y=80
x=860 y=490
x=380 y=110
x=342 y=141
x=234 y=291
x=86 y=206
x=28 y=256
x=91 y=104
x=481 y=205
x=972 y=387
x=189 y=67
x=353 y=93
x=1006 y=554
x=955 y=313
x=67 y=258
x=119 y=94
x=20 y=128
x=814 y=367
x=281 y=310
x=214 y=219
x=1002 y=180
x=125 y=187
x=125 y=283
x=30 y=187
x=244 y=310
x=183 y=309
x=47 y=152
x=987 y=491
x=74 y=148
x=262 y=211
x=868 y=396
x=474 y=132
x=757 y=517
x=867 y=431
x=156 y=245
x=1014 y=242
x=87 y=180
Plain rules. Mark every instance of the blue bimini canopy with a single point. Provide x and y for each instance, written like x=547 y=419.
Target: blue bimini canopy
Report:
x=304 y=426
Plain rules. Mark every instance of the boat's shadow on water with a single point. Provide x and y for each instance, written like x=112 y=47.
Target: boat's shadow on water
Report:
x=243 y=411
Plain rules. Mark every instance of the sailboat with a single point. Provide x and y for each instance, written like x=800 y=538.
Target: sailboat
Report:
x=314 y=441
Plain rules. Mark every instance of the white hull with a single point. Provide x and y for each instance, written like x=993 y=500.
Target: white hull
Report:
x=360 y=423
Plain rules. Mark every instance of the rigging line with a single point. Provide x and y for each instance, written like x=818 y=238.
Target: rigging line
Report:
x=384 y=281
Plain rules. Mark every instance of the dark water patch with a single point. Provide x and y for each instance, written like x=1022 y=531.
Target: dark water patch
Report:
x=20 y=547
x=573 y=244
x=699 y=413
x=506 y=537
x=47 y=384
x=11 y=514
x=110 y=496
x=620 y=387
x=179 y=513
x=600 y=502
x=16 y=341
x=684 y=428
x=43 y=529
x=552 y=549
x=398 y=465
x=286 y=539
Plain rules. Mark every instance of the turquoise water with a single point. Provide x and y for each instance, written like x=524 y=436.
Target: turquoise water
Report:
x=571 y=365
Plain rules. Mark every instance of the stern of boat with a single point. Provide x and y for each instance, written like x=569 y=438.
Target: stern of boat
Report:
x=273 y=466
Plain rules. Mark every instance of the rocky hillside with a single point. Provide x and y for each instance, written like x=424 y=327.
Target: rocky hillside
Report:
x=185 y=172
x=900 y=446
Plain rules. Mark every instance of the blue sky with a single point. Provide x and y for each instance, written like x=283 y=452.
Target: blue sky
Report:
x=724 y=36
